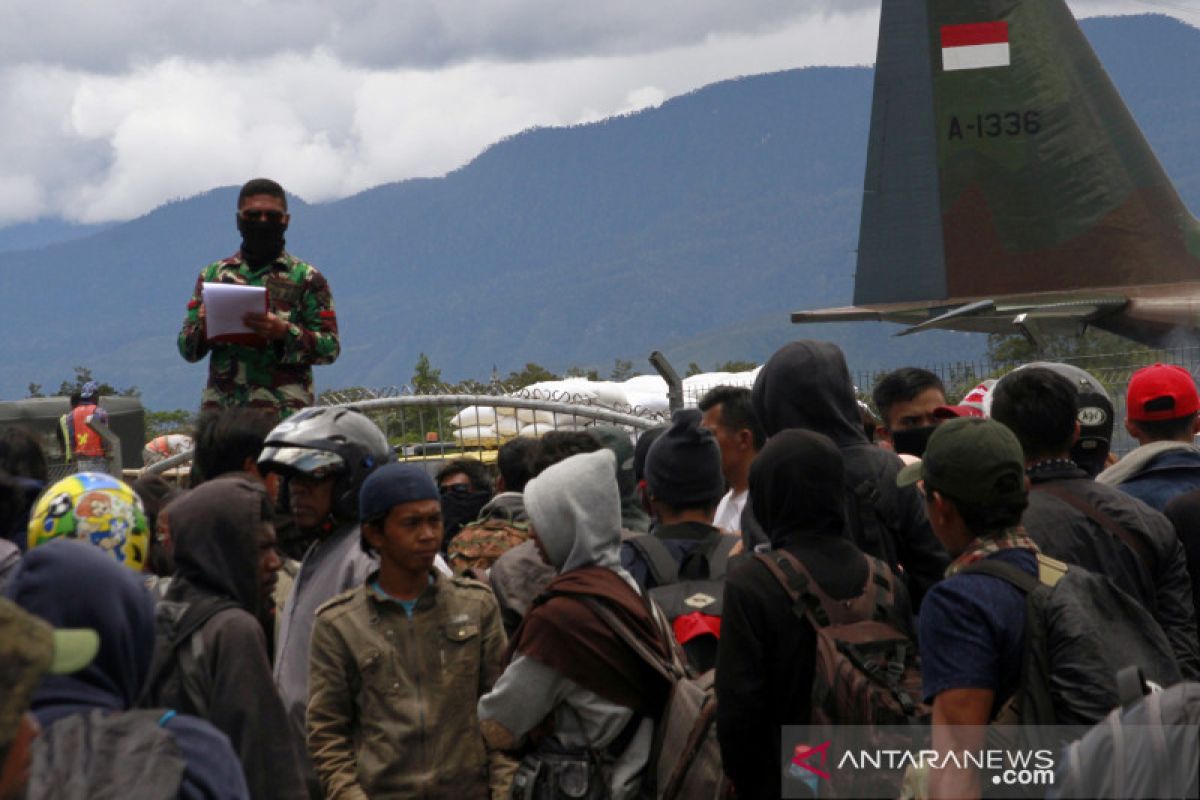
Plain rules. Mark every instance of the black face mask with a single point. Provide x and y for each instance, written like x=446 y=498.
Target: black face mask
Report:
x=460 y=506
x=262 y=240
x=913 y=440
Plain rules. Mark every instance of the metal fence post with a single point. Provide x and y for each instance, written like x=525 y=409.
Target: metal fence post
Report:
x=674 y=382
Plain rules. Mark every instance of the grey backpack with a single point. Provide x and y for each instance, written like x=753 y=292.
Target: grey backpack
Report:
x=1145 y=748
x=102 y=756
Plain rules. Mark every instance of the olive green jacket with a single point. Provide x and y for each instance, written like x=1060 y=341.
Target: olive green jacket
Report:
x=392 y=700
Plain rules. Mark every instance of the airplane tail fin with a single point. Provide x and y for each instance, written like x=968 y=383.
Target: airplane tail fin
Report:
x=1002 y=160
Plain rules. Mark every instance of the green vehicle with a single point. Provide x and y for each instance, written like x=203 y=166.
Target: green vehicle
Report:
x=40 y=416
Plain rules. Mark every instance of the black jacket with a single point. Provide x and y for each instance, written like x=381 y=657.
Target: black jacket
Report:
x=1184 y=513
x=807 y=385
x=1070 y=535
x=765 y=659
x=216 y=529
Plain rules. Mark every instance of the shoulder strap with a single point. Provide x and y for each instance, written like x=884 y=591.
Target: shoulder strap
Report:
x=1058 y=489
x=795 y=580
x=1010 y=573
x=874 y=536
x=718 y=557
x=165 y=658
x=1131 y=686
x=658 y=559
x=669 y=671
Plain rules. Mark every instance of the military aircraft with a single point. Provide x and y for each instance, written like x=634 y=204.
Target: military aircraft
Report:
x=1009 y=188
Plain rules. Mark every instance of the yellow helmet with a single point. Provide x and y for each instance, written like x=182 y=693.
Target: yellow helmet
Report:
x=96 y=508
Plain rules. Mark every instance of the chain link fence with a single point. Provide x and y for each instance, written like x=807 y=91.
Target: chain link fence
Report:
x=446 y=420
x=1113 y=370
x=420 y=421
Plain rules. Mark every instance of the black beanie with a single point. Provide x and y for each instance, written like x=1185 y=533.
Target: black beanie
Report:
x=683 y=467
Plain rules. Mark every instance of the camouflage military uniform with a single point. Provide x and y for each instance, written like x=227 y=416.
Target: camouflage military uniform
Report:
x=479 y=544
x=278 y=375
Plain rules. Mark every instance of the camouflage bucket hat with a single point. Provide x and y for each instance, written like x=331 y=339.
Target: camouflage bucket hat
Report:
x=30 y=649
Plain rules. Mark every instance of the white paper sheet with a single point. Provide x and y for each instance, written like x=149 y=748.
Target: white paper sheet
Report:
x=225 y=304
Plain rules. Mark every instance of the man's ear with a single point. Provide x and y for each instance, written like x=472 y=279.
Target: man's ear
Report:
x=1075 y=435
x=745 y=438
x=373 y=534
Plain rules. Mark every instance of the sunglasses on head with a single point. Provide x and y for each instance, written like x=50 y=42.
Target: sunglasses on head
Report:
x=254 y=215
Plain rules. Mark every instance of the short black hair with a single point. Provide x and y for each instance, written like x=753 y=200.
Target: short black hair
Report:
x=515 y=460
x=226 y=437
x=259 y=186
x=560 y=445
x=1040 y=407
x=900 y=386
x=1161 y=430
x=737 y=411
x=473 y=468
x=988 y=520
x=76 y=398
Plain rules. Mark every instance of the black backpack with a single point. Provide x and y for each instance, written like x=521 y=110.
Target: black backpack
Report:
x=177 y=669
x=1080 y=631
x=697 y=586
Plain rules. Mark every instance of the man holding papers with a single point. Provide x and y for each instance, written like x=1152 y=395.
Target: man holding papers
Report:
x=265 y=316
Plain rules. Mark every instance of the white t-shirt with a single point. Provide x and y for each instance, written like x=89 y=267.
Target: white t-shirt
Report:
x=729 y=512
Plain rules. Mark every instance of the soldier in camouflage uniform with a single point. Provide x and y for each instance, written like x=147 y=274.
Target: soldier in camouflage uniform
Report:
x=298 y=330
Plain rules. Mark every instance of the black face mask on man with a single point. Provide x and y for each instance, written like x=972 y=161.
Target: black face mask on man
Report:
x=262 y=240
x=912 y=440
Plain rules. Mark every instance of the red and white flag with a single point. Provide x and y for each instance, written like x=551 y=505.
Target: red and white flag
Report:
x=975 y=46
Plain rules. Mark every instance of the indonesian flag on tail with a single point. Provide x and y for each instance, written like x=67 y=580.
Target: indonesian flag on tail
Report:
x=975 y=46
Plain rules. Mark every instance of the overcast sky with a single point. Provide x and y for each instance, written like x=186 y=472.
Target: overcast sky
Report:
x=113 y=108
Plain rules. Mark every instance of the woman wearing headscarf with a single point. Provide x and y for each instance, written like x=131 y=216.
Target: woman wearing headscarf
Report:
x=766 y=655
x=574 y=690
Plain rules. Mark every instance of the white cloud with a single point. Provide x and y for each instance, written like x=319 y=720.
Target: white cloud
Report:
x=133 y=103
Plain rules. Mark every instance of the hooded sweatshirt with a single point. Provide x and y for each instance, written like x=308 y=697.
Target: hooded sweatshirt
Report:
x=633 y=516
x=72 y=584
x=216 y=529
x=807 y=385
x=566 y=662
x=766 y=654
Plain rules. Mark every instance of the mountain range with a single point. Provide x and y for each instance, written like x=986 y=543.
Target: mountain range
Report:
x=693 y=228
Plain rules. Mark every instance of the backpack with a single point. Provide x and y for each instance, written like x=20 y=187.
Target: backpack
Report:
x=866 y=523
x=480 y=543
x=1080 y=631
x=685 y=758
x=692 y=604
x=867 y=671
x=1143 y=761
x=177 y=669
x=105 y=756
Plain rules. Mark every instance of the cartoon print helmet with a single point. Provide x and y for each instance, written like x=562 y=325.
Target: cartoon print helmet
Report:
x=96 y=508
x=328 y=441
x=1095 y=415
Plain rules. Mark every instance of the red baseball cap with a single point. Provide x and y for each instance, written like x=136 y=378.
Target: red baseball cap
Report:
x=1161 y=392
x=950 y=412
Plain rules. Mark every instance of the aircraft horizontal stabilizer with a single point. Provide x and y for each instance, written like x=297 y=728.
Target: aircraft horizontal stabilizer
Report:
x=1000 y=316
x=1063 y=312
x=843 y=314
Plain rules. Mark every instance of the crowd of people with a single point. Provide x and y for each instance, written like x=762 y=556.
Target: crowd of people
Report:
x=312 y=618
